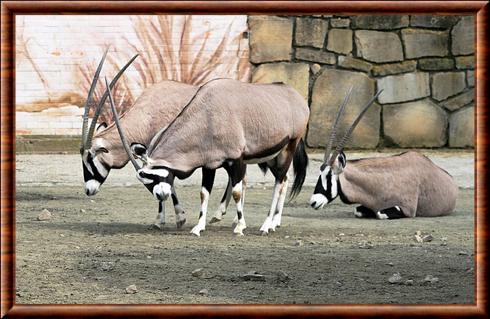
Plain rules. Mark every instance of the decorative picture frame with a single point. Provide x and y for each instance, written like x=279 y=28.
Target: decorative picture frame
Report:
x=12 y=8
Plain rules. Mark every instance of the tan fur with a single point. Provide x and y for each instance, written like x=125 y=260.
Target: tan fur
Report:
x=157 y=106
x=409 y=180
x=229 y=119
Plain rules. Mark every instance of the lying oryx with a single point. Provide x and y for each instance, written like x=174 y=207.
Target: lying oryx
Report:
x=229 y=124
x=404 y=185
x=154 y=109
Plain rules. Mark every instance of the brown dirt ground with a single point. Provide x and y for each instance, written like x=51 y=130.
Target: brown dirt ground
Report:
x=91 y=250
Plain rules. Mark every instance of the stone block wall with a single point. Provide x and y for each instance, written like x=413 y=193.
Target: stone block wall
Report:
x=424 y=64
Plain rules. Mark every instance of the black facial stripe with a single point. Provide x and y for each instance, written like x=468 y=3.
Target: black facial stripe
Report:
x=88 y=176
x=329 y=186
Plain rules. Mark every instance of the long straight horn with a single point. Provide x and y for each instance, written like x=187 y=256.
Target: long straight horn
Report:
x=98 y=110
x=89 y=100
x=347 y=135
x=333 y=134
x=119 y=128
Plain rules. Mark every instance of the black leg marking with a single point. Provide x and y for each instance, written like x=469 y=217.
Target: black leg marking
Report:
x=393 y=212
x=364 y=212
x=175 y=200
x=208 y=179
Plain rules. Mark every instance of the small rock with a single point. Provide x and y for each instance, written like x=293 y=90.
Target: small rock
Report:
x=82 y=210
x=298 y=243
x=427 y=238
x=148 y=257
x=341 y=234
x=107 y=266
x=253 y=276
x=197 y=272
x=396 y=278
x=203 y=292
x=463 y=253
x=286 y=237
x=390 y=264
x=338 y=283
x=44 y=215
x=283 y=276
x=409 y=282
x=92 y=201
x=366 y=244
x=131 y=289
x=430 y=279
x=62 y=235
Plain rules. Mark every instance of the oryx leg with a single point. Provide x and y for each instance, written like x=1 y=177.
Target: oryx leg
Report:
x=179 y=211
x=225 y=201
x=276 y=219
x=160 y=219
x=364 y=212
x=394 y=212
x=236 y=172
x=279 y=167
x=207 y=185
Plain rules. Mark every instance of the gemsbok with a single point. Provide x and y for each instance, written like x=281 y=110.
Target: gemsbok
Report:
x=404 y=185
x=101 y=148
x=228 y=124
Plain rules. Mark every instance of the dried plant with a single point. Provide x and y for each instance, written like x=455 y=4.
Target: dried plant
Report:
x=163 y=58
x=123 y=98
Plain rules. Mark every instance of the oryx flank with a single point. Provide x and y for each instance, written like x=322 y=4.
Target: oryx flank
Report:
x=230 y=124
x=154 y=109
x=404 y=185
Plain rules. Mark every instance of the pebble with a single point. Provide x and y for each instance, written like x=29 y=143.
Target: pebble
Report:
x=390 y=264
x=44 y=215
x=395 y=278
x=107 y=265
x=203 y=292
x=298 y=243
x=463 y=253
x=82 y=210
x=427 y=238
x=197 y=272
x=366 y=244
x=131 y=289
x=283 y=276
x=409 y=282
x=431 y=279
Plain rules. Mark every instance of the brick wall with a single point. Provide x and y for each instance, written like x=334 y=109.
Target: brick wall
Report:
x=57 y=55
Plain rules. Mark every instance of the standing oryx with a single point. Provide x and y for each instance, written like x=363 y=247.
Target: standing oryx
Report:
x=229 y=124
x=102 y=150
x=404 y=185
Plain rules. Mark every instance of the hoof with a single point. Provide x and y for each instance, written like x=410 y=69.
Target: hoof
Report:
x=215 y=220
x=240 y=233
x=196 y=233
x=264 y=233
x=180 y=223
x=155 y=227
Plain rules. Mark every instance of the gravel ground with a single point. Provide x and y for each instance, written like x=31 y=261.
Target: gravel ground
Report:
x=91 y=250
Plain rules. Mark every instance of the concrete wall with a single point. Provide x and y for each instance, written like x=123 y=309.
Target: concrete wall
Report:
x=424 y=64
x=56 y=57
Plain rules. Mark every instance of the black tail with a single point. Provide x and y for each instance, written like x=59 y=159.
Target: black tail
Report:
x=300 y=163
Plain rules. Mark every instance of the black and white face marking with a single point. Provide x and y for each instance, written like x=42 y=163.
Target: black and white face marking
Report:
x=326 y=189
x=158 y=180
x=95 y=172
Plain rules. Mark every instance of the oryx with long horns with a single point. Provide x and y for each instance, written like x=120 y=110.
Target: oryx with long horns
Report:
x=101 y=148
x=404 y=185
x=229 y=124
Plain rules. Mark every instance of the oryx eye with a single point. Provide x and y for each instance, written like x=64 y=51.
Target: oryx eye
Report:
x=101 y=150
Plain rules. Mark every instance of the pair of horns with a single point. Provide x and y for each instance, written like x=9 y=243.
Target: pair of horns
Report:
x=88 y=133
x=119 y=128
x=329 y=155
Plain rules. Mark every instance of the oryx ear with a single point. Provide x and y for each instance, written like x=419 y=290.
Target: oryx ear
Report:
x=342 y=159
x=139 y=150
x=101 y=126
